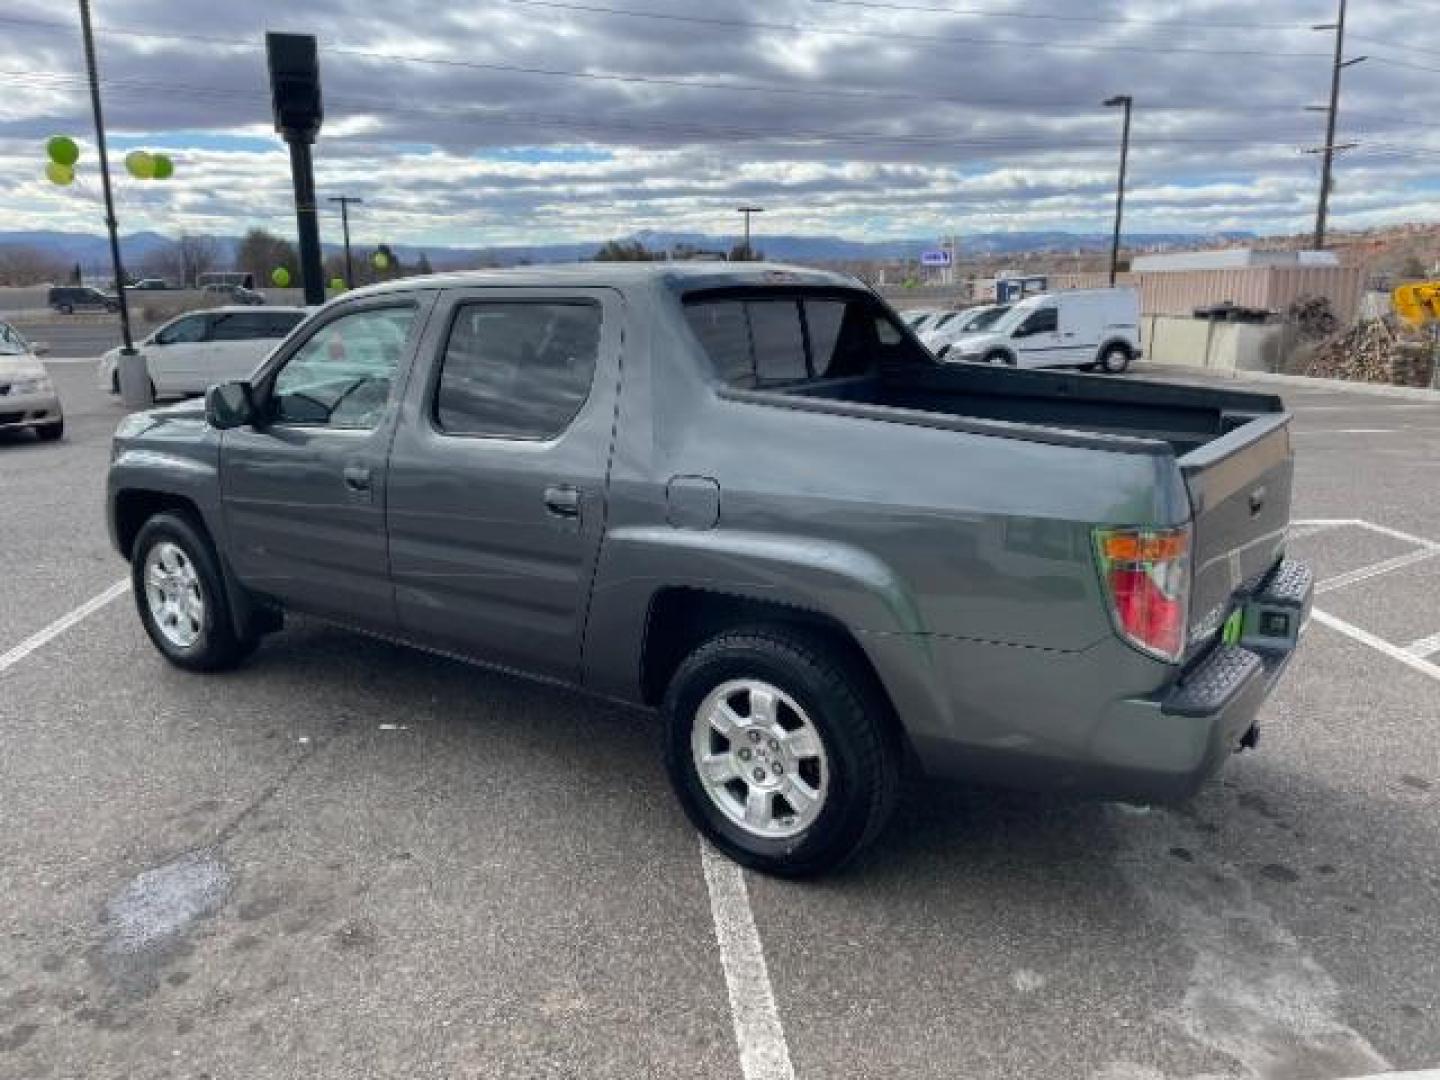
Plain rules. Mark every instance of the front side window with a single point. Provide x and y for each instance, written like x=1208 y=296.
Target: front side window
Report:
x=1044 y=321
x=517 y=370
x=343 y=375
x=183 y=331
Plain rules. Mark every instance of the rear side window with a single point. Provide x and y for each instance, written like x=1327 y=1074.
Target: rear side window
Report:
x=785 y=340
x=517 y=370
x=778 y=340
x=251 y=325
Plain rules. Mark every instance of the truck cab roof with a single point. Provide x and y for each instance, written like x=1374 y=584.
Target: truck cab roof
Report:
x=679 y=276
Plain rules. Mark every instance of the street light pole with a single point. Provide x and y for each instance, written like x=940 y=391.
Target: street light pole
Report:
x=345 y=201
x=1127 y=102
x=119 y=270
x=748 y=211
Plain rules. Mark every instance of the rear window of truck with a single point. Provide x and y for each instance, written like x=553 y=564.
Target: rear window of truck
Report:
x=783 y=340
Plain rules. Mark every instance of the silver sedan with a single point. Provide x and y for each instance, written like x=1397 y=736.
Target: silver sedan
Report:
x=27 y=396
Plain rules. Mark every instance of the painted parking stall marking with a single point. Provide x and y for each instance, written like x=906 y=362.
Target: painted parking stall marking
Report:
x=41 y=638
x=1414 y=655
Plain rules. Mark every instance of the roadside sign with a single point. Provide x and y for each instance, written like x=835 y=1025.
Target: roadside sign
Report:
x=935 y=258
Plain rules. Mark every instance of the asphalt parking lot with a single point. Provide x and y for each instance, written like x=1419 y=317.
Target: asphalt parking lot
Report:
x=347 y=859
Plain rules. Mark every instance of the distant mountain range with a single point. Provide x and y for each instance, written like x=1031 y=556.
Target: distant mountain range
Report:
x=90 y=250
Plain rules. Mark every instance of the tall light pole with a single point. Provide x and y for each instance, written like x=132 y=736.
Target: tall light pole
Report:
x=345 y=201
x=748 y=212
x=119 y=270
x=1127 y=102
x=1332 y=112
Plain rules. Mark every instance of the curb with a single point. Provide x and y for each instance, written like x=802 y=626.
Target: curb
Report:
x=1412 y=393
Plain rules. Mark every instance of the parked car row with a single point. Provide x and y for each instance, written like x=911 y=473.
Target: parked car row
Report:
x=190 y=353
x=68 y=299
x=27 y=396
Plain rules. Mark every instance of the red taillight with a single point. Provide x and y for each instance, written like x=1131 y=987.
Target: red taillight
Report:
x=1147 y=575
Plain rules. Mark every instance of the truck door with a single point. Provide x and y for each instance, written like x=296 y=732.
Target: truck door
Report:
x=304 y=490
x=1037 y=340
x=498 y=474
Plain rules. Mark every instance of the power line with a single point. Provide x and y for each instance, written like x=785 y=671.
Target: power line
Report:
x=604 y=77
x=893 y=35
x=507 y=116
x=1107 y=20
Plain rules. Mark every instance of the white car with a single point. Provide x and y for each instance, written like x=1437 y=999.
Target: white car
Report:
x=969 y=321
x=1085 y=328
x=27 y=396
x=192 y=353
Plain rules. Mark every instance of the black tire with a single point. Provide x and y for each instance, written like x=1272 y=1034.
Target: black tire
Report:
x=50 y=432
x=999 y=356
x=850 y=715
x=1115 y=360
x=217 y=647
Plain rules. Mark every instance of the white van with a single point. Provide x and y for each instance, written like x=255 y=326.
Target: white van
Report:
x=191 y=353
x=1087 y=328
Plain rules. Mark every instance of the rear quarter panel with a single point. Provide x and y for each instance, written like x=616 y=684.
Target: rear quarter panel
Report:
x=888 y=528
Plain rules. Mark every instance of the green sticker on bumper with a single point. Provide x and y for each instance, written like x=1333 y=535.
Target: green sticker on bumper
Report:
x=1234 y=627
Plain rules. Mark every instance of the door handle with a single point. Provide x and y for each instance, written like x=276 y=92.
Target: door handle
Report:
x=562 y=500
x=357 y=478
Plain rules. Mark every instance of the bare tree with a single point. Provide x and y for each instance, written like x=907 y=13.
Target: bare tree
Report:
x=261 y=253
x=20 y=265
x=189 y=257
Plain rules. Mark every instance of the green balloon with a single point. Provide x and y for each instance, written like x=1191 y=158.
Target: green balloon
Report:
x=140 y=164
x=338 y=284
x=62 y=175
x=63 y=150
x=281 y=277
x=164 y=167
x=381 y=260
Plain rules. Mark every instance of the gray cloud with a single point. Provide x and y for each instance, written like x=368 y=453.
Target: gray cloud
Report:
x=852 y=125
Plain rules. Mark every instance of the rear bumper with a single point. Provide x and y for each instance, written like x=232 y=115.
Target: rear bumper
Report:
x=1067 y=728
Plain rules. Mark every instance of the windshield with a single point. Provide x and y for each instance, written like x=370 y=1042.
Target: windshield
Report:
x=986 y=318
x=11 y=343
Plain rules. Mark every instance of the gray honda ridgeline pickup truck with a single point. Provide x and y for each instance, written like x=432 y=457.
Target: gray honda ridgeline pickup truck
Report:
x=747 y=496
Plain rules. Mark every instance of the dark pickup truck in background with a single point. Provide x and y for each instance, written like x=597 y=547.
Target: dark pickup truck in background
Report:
x=748 y=496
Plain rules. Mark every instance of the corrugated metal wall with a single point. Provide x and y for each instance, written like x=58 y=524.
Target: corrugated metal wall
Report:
x=1273 y=288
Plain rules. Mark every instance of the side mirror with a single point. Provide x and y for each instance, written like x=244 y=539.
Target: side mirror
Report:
x=40 y=348
x=229 y=405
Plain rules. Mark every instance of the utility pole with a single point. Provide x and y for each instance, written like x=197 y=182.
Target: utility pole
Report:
x=1332 y=112
x=749 y=211
x=345 y=201
x=1127 y=102
x=119 y=270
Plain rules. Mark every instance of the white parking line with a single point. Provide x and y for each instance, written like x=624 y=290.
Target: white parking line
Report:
x=1424 y=667
x=764 y=1054
x=1364 y=573
x=1349 y=431
x=42 y=637
x=1424 y=647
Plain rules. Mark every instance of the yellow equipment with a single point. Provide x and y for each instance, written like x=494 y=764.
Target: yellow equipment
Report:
x=1417 y=303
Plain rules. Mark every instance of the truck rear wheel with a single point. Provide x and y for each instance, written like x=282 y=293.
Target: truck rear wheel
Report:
x=180 y=596
x=781 y=754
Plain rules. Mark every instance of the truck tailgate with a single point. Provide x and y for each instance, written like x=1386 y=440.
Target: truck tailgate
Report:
x=1239 y=487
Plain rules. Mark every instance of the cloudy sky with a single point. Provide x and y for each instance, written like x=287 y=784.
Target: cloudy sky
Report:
x=527 y=121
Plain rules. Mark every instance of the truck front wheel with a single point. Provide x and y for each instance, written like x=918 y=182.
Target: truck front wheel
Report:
x=180 y=596
x=1115 y=359
x=782 y=754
